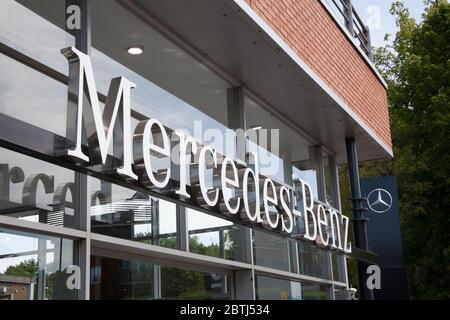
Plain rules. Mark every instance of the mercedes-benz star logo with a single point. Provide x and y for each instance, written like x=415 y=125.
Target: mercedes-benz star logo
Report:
x=379 y=201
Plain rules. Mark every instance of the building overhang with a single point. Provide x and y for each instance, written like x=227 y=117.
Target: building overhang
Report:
x=230 y=38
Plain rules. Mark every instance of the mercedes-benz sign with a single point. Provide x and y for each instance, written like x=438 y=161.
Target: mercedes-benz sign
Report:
x=379 y=200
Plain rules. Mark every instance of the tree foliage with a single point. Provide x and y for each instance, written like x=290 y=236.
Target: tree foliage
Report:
x=28 y=268
x=417 y=69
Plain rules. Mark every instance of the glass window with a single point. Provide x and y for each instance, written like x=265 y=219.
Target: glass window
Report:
x=166 y=233
x=36 y=191
x=313 y=261
x=268 y=288
x=30 y=96
x=36 y=28
x=352 y=269
x=270 y=250
x=127 y=214
x=307 y=175
x=214 y=237
x=339 y=293
x=35 y=267
x=315 y=291
x=171 y=86
x=186 y=284
x=330 y=182
x=272 y=140
x=338 y=267
x=122 y=280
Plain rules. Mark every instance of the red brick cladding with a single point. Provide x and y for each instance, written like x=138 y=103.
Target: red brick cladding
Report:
x=307 y=27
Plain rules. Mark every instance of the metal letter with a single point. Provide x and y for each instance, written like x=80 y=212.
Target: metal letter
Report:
x=270 y=196
x=322 y=221
x=144 y=147
x=233 y=182
x=99 y=129
x=202 y=174
x=184 y=143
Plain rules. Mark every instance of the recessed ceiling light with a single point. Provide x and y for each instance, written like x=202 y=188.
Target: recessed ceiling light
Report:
x=136 y=50
x=256 y=128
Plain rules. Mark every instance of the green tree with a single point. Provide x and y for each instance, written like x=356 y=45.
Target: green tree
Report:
x=28 y=268
x=417 y=69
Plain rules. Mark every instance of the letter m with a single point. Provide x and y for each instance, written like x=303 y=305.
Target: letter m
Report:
x=101 y=128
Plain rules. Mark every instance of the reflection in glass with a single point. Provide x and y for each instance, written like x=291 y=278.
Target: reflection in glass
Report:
x=352 y=271
x=315 y=291
x=186 y=284
x=113 y=279
x=36 y=191
x=270 y=250
x=36 y=28
x=339 y=293
x=127 y=214
x=171 y=86
x=268 y=288
x=30 y=96
x=309 y=176
x=338 y=267
x=330 y=181
x=313 y=261
x=214 y=237
x=34 y=267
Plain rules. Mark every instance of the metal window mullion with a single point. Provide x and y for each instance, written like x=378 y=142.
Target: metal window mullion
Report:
x=335 y=183
x=330 y=259
x=182 y=228
x=244 y=281
x=82 y=194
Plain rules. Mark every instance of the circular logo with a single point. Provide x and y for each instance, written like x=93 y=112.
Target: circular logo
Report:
x=379 y=200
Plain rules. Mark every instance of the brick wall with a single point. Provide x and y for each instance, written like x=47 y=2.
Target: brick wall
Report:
x=308 y=28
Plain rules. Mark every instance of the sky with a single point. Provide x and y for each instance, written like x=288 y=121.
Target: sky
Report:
x=375 y=13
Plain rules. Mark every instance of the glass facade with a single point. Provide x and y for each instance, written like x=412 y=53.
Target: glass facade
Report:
x=36 y=267
x=313 y=261
x=268 y=288
x=37 y=191
x=214 y=237
x=270 y=250
x=113 y=279
x=127 y=214
x=143 y=244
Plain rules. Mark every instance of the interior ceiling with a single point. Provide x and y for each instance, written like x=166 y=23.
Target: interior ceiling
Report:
x=219 y=32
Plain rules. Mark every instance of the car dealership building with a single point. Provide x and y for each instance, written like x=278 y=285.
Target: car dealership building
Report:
x=184 y=149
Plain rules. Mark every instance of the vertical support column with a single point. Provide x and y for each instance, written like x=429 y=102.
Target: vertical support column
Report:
x=244 y=285
x=156 y=241
x=359 y=221
x=82 y=209
x=348 y=9
x=292 y=245
x=237 y=122
x=221 y=243
x=42 y=263
x=82 y=192
x=82 y=35
x=182 y=229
